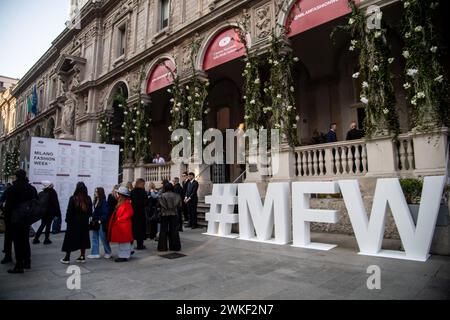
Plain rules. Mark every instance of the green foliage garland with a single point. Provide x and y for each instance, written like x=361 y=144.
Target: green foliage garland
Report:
x=425 y=83
x=104 y=128
x=11 y=164
x=377 y=92
x=253 y=100
x=279 y=89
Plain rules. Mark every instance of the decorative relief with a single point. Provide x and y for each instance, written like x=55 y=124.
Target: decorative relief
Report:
x=263 y=21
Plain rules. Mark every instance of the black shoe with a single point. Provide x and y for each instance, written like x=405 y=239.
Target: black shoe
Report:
x=132 y=252
x=36 y=241
x=81 y=259
x=120 y=260
x=15 y=270
x=6 y=260
x=47 y=241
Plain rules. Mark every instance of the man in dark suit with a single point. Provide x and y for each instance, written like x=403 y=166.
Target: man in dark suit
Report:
x=354 y=133
x=331 y=135
x=184 y=184
x=178 y=189
x=139 y=201
x=191 y=200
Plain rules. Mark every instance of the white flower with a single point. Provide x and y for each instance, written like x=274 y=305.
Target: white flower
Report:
x=279 y=96
x=375 y=68
x=292 y=89
x=170 y=128
x=390 y=60
x=169 y=91
x=275 y=63
x=131 y=139
x=121 y=150
x=377 y=34
x=385 y=110
x=289 y=108
x=406 y=4
x=364 y=100
x=414 y=101
x=418 y=29
x=356 y=75
x=138 y=113
x=122 y=138
x=412 y=72
x=133 y=149
x=352 y=48
x=270 y=61
x=354 y=42
x=365 y=84
x=244 y=97
x=406 y=54
x=434 y=49
x=189 y=98
x=98 y=131
x=247 y=117
x=257 y=81
x=197 y=103
x=182 y=123
x=206 y=111
x=294 y=126
x=297 y=118
x=132 y=131
x=351 y=21
x=296 y=59
x=177 y=109
x=408 y=35
x=434 y=5
x=187 y=87
x=145 y=139
x=420 y=95
x=179 y=104
x=197 y=95
x=252 y=102
x=439 y=79
x=248 y=65
x=146 y=125
x=125 y=112
x=407 y=85
x=172 y=100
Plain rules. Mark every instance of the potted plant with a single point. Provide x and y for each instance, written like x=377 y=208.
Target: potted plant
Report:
x=412 y=188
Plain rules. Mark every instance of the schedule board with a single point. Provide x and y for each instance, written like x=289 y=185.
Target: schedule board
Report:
x=65 y=163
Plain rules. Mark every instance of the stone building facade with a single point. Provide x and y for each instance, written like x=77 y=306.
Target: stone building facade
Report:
x=113 y=46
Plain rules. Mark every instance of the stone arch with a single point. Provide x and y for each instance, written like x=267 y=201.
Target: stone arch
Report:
x=205 y=44
x=153 y=64
x=283 y=15
x=120 y=84
x=38 y=131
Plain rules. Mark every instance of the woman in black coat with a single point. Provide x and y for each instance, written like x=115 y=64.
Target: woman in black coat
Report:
x=53 y=211
x=78 y=214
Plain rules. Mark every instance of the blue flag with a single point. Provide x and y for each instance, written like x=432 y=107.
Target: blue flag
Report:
x=34 y=102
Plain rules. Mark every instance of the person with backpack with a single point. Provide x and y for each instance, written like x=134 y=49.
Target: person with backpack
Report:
x=99 y=224
x=170 y=203
x=79 y=212
x=20 y=194
x=52 y=211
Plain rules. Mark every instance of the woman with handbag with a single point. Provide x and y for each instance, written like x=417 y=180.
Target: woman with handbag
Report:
x=78 y=214
x=99 y=224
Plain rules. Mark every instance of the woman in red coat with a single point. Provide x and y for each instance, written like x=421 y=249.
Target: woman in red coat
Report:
x=120 y=225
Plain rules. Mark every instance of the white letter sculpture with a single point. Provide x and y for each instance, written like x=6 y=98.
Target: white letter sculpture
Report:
x=416 y=239
x=220 y=216
x=302 y=215
x=254 y=218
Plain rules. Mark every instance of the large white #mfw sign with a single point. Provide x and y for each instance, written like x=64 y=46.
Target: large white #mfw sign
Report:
x=65 y=163
x=271 y=221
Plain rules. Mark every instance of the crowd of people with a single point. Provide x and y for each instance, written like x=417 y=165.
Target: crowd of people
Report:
x=129 y=215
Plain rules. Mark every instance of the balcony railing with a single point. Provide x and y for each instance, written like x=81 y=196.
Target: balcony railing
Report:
x=158 y=172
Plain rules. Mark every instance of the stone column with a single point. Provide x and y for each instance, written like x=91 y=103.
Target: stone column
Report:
x=283 y=163
x=381 y=157
x=430 y=152
x=128 y=172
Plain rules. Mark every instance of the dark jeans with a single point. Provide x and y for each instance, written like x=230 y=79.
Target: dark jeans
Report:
x=180 y=219
x=7 y=243
x=21 y=240
x=185 y=212
x=169 y=231
x=192 y=209
x=47 y=224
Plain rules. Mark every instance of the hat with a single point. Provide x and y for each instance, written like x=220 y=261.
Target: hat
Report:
x=124 y=191
x=47 y=184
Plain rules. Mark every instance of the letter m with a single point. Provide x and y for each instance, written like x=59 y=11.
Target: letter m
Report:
x=257 y=221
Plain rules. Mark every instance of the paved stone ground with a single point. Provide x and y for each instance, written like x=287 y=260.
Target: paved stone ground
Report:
x=217 y=268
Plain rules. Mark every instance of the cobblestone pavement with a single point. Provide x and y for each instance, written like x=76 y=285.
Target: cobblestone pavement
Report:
x=217 y=268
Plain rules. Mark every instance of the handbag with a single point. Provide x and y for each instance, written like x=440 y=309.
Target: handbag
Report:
x=94 y=225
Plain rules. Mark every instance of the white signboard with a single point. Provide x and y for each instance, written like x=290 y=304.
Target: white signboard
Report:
x=65 y=163
x=272 y=222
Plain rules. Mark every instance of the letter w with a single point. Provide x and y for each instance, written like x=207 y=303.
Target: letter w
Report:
x=259 y=219
x=416 y=239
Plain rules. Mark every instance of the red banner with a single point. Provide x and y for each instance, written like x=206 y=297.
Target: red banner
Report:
x=161 y=76
x=313 y=13
x=225 y=47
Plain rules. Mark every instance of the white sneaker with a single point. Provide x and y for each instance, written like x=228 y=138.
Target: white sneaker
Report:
x=93 y=256
x=107 y=256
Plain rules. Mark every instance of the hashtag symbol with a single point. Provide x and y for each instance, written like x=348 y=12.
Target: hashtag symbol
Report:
x=221 y=217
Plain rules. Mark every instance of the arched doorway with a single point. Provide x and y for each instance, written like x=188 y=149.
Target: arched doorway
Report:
x=159 y=80
x=50 y=129
x=223 y=63
x=117 y=103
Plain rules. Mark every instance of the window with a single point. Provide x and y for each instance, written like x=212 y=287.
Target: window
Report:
x=2 y=85
x=54 y=88
x=164 y=16
x=121 y=39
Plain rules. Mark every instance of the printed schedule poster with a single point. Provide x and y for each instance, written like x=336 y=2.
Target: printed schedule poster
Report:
x=65 y=163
